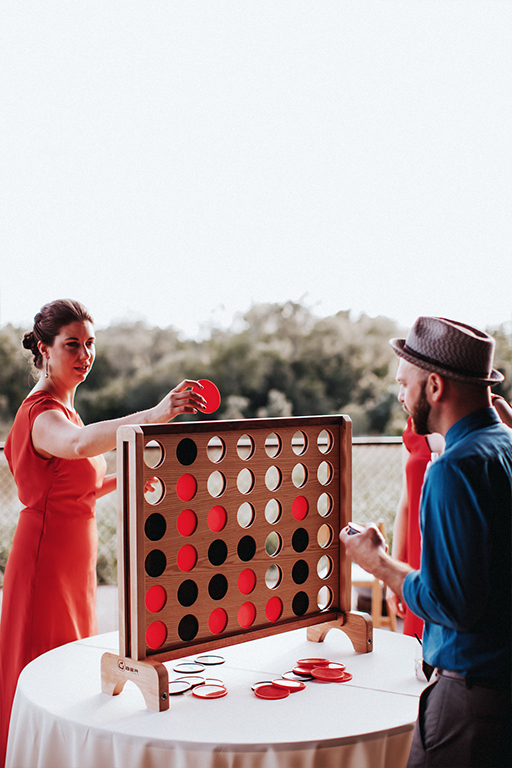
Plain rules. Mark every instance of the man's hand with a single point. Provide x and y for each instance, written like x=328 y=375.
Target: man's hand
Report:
x=368 y=549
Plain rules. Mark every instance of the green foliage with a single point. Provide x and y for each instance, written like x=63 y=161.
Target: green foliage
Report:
x=277 y=359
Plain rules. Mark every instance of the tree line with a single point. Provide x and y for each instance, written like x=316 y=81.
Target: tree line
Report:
x=275 y=360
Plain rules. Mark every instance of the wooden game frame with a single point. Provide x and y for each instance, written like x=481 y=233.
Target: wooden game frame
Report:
x=138 y=662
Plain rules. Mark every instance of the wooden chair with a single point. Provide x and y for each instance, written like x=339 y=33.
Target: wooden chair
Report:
x=361 y=578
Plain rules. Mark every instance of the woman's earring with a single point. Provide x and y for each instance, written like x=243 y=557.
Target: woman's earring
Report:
x=47 y=369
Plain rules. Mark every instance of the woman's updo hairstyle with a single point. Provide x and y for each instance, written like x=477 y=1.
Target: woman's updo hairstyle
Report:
x=49 y=321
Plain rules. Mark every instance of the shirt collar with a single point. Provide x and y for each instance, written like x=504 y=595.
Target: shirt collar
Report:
x=484 y=417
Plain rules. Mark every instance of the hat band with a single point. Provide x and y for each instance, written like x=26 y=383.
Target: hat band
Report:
x=438 y=364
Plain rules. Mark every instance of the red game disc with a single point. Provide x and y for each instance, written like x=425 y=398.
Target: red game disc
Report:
x=334 y=665
x=331 y=675
x=271 y=692
x=210 y=393
x=290 y=685
x=310 y=663
x=302 y=671
x=209 y=691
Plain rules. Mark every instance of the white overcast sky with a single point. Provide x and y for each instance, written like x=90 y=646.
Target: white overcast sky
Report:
x=180 y=160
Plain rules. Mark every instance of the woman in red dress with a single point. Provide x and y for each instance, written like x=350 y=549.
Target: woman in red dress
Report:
x=49 y=590
x=418 y=452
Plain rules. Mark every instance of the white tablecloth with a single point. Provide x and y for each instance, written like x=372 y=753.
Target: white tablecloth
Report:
x=61 y=719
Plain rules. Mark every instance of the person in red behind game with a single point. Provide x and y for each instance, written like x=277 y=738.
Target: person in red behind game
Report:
x=49 y=589
x=418 y=451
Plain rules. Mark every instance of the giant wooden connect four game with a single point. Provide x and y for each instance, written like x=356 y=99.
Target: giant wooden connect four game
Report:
x=228 y=531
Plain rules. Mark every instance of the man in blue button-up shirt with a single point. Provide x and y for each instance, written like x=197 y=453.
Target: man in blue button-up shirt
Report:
x=463 y=588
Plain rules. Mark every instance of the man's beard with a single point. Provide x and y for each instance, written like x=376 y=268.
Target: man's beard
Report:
x=420 y=413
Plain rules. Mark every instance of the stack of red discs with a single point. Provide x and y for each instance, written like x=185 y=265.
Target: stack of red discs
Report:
x=322 y=669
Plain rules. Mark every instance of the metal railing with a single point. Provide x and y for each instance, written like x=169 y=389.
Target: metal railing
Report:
x=376 y=487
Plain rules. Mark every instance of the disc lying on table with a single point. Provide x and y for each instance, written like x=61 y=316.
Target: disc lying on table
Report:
x=178 y=686
x=331 y=675
x=209 y=691
x=290 y=685
x=210 y=660
x=310 y=663
x=189 y=667
x=271 y=692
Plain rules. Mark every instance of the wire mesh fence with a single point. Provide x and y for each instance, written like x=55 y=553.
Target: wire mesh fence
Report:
x=376 y=486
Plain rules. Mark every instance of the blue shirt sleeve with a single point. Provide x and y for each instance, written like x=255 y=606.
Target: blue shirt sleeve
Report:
x=452 y=587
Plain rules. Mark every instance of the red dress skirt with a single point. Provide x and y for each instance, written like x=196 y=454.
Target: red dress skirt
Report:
x=416 y=464
x=49 y=590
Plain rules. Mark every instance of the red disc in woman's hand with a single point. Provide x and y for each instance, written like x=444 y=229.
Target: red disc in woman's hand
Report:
x=210 y=393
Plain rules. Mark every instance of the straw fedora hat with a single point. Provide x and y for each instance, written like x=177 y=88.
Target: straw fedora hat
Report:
x=452 y=349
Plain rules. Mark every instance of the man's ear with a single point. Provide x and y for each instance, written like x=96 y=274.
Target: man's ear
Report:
x=435 y=386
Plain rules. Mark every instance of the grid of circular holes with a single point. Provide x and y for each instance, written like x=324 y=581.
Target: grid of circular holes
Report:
x=245 y=447
x=216 y=449
x=216 y=484
x=299 y=443
x=245 y=515
x=325 y=441
x=245 y=481
x=273 y=445
x=153 y=454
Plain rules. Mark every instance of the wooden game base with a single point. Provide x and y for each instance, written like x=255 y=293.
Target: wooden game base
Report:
x=358 y=626
x=150 y=676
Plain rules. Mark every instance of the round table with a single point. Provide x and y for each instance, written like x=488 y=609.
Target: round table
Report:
x=61 y=719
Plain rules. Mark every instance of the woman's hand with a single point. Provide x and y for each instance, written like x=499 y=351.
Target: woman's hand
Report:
x=181 y=399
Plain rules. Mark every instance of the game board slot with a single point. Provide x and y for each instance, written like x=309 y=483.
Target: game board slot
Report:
x=216 y=449
x=245 y=447
x=155 y=526
x=273 y=445
x=299 y=475
x=186 y=451
x=300 y=508
x=217 y=518
x=325 y=441
x=245 y=515
x=273 y=511
x=299 y=443
x=186 y=522
x=154 y=454
x=273 y=576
